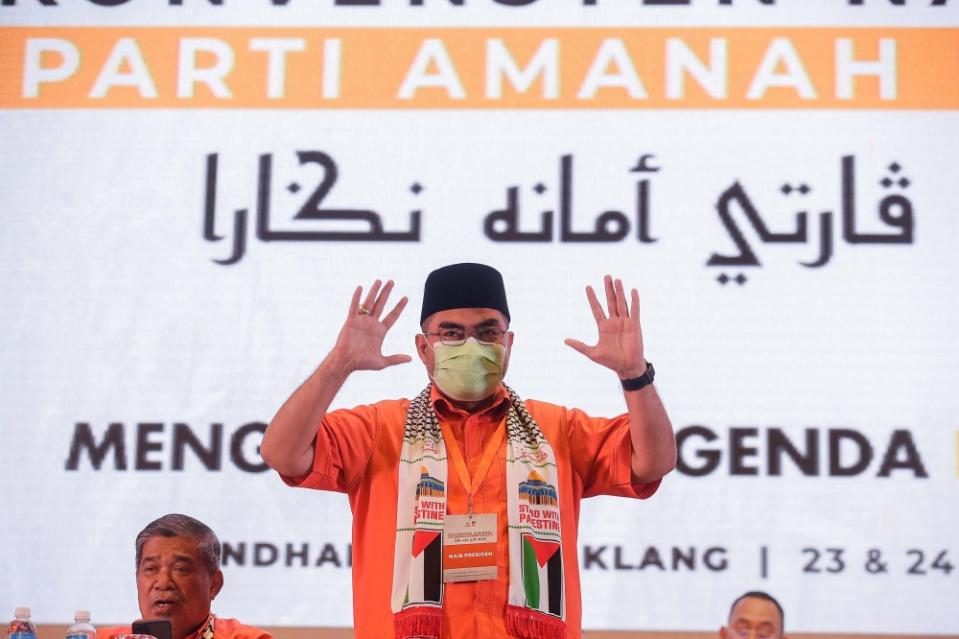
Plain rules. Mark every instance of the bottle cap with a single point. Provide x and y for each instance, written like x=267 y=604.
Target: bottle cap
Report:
x=22 y=611
x=81 y=616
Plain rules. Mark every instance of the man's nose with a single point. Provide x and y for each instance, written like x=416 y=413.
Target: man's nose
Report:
x=164 y=580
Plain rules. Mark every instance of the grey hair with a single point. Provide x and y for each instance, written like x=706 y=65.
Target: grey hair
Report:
x=177 y=525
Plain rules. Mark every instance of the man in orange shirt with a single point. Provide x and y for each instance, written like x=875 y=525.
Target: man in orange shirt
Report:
x=465 y=498
x=178 y=576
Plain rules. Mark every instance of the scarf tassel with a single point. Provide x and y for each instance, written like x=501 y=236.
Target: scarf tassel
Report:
x=523 y=622
x=420 y=621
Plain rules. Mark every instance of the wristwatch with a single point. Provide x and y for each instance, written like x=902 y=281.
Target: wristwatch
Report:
x=635 y=383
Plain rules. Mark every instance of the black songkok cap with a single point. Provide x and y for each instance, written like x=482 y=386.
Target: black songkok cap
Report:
x=464 y=286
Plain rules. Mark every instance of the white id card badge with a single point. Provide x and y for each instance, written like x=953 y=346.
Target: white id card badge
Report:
x=469 y=547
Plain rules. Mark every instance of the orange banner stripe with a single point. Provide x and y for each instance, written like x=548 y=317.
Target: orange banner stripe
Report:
x=480 y=68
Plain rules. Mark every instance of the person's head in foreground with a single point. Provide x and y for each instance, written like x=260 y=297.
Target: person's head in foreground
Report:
x=754 y=615
x=178 y=572
x=466 y=341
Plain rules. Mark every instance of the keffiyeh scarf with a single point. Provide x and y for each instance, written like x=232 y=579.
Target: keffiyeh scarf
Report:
x=536 y=607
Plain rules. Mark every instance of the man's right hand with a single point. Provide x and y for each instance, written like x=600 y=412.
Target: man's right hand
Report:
x=359 y=345
x=288 y=442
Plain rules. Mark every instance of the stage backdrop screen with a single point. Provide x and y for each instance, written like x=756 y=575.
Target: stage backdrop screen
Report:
x=192 y=189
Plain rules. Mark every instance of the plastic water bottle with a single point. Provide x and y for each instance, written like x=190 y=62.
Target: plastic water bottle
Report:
x=82 y=629
x=21 y=627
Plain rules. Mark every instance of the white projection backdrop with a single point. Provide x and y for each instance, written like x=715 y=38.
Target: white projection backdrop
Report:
x=788 y=217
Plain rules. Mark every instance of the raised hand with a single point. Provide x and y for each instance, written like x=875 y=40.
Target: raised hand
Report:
x=620 y=343
x=359 y=345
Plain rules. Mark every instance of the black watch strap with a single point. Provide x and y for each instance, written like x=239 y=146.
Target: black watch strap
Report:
x=635 y=383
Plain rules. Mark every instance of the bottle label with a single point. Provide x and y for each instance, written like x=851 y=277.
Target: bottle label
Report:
x=20 y=634
x=78 y=635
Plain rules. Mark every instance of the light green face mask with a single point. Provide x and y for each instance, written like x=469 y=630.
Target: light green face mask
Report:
x=468 y=372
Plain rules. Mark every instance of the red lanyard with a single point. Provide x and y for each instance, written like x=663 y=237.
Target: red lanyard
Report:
x=459 y=462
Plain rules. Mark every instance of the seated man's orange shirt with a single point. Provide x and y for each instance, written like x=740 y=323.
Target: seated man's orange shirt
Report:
x=222 y=629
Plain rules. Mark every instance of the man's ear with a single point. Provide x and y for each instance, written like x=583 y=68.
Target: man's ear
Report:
x=724 y=634
x=422 y=346
x=216 y=584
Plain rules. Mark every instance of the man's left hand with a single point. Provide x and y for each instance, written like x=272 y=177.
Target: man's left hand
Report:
x=620 y=344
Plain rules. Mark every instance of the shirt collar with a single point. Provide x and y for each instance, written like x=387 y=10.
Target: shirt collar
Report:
x=205 y=631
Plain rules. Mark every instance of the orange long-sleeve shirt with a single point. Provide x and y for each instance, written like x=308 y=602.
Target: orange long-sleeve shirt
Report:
x=358 y=450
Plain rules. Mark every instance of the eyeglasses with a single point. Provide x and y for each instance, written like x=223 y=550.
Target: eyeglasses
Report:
x=458 y=336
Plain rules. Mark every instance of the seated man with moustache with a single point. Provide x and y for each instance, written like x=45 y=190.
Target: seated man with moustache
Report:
x=178 y=576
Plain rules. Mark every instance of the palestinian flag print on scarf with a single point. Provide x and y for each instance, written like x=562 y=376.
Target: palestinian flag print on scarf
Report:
x=536 y=600
x=426 y=565
x=542 y=557
x=543 y=575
